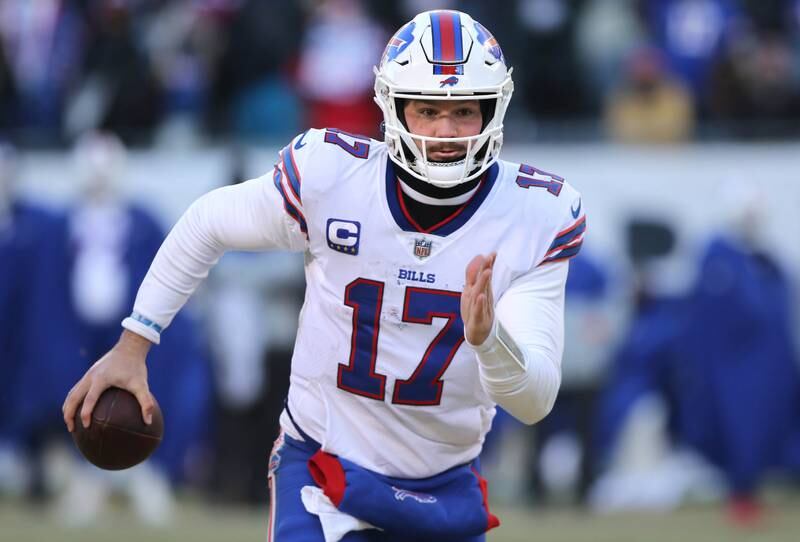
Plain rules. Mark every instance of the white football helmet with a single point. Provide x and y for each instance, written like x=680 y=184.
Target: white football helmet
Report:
x=443 y=55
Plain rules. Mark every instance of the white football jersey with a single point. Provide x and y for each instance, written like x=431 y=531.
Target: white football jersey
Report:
x=380 y=372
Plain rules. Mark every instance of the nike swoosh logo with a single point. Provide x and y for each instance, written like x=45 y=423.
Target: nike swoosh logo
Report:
x=576 y=212
x=299 y=145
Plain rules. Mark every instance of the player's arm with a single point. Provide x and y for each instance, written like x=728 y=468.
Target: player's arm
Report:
x=246 y=216
x=249 y=216
x=520 y=340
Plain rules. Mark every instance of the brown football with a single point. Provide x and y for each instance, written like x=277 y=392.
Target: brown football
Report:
x=118 y=438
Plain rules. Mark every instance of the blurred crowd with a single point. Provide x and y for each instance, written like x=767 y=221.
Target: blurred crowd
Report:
x=183 y=70
x=681 y=379
x=66 y=277
x=669 y=394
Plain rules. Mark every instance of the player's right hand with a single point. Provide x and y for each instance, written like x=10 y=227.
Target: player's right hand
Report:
x=477 y=300
x=123 y=367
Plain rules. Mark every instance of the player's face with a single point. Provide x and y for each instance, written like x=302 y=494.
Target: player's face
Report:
x=443 y=118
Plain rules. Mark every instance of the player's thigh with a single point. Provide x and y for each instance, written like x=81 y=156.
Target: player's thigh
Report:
x=289 y=520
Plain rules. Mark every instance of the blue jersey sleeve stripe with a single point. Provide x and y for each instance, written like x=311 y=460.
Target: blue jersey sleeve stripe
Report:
x=577 y=241
x=564 y=254
x=290 y=167
x=567 y=242
x=576 y=229
x=288 y=206
x=568 y=235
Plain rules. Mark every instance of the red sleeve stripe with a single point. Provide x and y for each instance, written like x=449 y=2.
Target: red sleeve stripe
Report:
x=577 y=240
x=566 y=236
x=564 y=254
x=291 y=209
x=291 y=170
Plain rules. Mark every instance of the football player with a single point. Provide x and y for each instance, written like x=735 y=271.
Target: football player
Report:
x=435 y=289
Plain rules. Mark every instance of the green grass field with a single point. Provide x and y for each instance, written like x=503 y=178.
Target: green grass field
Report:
x=202 y=523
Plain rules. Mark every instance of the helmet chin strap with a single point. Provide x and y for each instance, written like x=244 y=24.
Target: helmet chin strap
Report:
x=441 y=173
x=432 y=193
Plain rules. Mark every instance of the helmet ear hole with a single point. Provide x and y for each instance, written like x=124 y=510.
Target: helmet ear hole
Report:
x=400 y=108
x=400 y=111
x=479 y=156
x=487 y=112
x=407 y=152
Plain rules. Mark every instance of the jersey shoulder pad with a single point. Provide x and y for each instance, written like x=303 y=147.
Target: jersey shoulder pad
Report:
x=570 y=229
x=556 y=206
x=318 y=158
x=299 y=165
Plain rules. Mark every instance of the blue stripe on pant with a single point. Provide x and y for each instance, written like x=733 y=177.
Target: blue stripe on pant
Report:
x=289 y=520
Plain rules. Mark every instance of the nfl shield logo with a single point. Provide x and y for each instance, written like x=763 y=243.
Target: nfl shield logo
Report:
x=422 y=248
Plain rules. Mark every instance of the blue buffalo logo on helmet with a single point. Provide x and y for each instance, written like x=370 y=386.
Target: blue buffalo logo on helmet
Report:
x=449 y=82
x=489 y=42
x=399 y=42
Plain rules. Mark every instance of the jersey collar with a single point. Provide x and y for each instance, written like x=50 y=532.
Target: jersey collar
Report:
x=449 y=224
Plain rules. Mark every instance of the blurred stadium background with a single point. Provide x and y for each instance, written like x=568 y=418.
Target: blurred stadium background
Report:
x=678 y=120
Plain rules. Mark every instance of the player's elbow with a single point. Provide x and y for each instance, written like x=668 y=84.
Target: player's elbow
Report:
x=534 y=397
x=536 y=411
x=527 y=407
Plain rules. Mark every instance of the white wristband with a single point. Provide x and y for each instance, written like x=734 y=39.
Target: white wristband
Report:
x=143 y=326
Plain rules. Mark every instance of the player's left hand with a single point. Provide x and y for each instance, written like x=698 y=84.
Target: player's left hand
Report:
x=477 y=301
